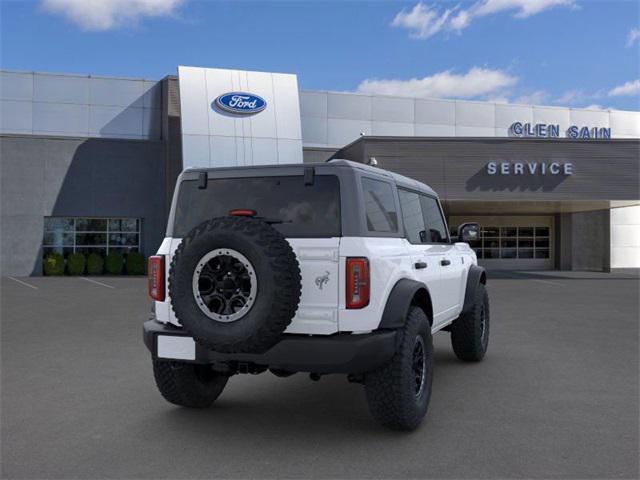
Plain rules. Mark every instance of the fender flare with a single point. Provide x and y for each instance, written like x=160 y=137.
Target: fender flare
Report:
x=401 y=298
x=476 y=276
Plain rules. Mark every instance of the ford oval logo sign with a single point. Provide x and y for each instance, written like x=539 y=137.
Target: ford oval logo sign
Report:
x=240 y=103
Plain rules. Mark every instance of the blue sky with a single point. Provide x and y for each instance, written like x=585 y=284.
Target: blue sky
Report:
x=562 y=52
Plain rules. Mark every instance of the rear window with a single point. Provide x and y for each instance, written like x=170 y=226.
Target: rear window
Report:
x=305 y=210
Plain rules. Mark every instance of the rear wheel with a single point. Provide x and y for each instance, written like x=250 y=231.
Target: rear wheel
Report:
x=398 y=394
x=470 y=332
x=188 y=384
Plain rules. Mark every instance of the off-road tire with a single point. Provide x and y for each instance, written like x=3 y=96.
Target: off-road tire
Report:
x=278 y=279
x=391 y=390
x=468 y=337
x=187 y=384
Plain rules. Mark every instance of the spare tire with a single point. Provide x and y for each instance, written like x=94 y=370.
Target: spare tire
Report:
x=235 y=284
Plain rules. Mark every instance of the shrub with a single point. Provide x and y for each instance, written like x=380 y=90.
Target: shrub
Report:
x=135 y=263
x=95 y=264
x=76 y=263
x=53 y=264
x=113 y=263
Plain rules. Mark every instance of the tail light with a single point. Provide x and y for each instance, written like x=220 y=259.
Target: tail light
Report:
x=358 y=282
x=156 y=278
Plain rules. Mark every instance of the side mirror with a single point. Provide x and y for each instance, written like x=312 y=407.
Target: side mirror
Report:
x=469 y=232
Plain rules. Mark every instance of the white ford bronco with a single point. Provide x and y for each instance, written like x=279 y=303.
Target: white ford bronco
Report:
x=337 y=267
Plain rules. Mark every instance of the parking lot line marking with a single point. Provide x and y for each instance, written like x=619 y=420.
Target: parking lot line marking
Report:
x=548 y=282
x=23 y=283
x=97 y=282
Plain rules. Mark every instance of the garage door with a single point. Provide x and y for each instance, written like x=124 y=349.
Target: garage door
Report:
x=513 y=243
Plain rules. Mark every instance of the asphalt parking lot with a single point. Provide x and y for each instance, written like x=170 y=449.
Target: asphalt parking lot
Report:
x=557 y=395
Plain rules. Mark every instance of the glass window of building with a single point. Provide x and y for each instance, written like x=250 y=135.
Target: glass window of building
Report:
x=513 y=242
x=66 y=235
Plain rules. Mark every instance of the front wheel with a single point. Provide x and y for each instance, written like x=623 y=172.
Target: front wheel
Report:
x=398 y=394
x=470 y=331
x=188 y=384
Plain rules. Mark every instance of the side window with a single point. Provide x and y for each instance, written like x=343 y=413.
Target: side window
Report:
x=380 y=207
x=412 y=216
x=436 y=230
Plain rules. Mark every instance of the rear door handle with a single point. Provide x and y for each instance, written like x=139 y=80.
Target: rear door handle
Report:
x=419 y=265
x=445 y=262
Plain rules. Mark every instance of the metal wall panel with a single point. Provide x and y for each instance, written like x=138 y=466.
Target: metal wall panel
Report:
x=435 y=112
x=625 y=123
x=314 y=130
x=61 y=89
x=342 y=132
x=392 y=129
x=349 y=106
x=74 y=105
x=313 y=104
x=238 y=139
x=471 y=114
x=389 y=109
x=16 y=86
x=61 y=118
x=116 y=92
x=506 y=115
x=16 y=117
x=603 y=170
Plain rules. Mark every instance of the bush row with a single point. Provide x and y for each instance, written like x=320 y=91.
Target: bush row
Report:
x=78 y=264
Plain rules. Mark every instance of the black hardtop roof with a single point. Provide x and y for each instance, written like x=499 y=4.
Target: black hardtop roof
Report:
x=259 y=170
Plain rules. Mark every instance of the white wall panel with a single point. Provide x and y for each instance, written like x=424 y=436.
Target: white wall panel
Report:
x=392 y=129
x=60 y=89
x=263 y=124
x=471 y=114
x=425 y=130
x=592 y=118
x=61 y=118
x=341 y=132
x=107 y=121
x=506 y=115
x=554 y=116
x=625 y=237
x=435 y=112
x=234 y=137
x=287 y=102
x=223 y=150
x=313 y=104
x=462 y=131
x=16 y=117
x=314 y=130
x=16 y=86
x=624 y=123
x=349 y=106
x=116 y=92
x=194 y=113
x=195 y=150
x=389 y=109
x=265 y=151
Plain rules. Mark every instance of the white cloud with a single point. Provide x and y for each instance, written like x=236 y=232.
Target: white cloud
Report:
x=631 y=87
x=595 y=106
x=424 y=22
x=633 y=36
x=538 y=97
x=475 y=83
x=421 y=21
x=100 y=15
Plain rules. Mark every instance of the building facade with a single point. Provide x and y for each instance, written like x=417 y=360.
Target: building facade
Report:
x=89 y=163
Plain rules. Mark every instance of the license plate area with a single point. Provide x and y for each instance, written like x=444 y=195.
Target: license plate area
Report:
x=176 y=347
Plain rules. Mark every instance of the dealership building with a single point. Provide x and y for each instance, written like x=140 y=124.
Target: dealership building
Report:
x=89 y=164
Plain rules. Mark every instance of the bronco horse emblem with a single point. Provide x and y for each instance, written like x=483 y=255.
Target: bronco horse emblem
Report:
x=322 y=279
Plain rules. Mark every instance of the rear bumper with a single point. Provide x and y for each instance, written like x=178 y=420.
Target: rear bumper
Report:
x=339 y=353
